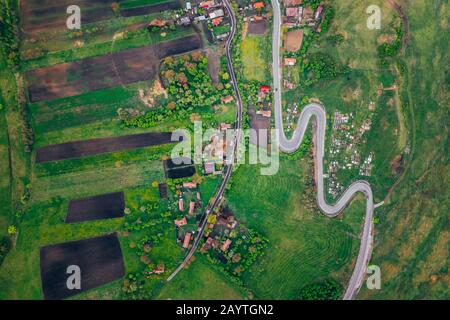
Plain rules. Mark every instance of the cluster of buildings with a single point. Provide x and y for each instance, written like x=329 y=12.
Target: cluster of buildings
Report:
x=291 y=115
x=298 y=15
x=343 y=153
x=188 y=192
x=264 y=104
x=211 y=12
x=218 y=231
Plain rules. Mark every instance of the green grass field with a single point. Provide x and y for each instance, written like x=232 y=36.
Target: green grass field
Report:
x=200 y=281
x=304 y=246
x=413 y=232
x=254 y=57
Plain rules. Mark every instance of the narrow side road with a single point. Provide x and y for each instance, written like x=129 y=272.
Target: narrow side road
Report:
x=229 y=167
x=291 y=145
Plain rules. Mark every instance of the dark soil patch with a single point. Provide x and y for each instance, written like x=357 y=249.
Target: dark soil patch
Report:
x=140 y=11
x=38 y=15
x=105 y=206
x=260 y=124
x=124 y=67
x=99 y=259
x=176 y=171
x=257 y=27
x=77 y=149
x=162 y=190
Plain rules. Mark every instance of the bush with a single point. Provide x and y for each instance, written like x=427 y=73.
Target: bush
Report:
x=326 y=290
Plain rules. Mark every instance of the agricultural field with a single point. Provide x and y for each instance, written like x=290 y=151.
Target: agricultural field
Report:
x=200 y=281
x=304 y=246
x=255 y=57
x=88 y=174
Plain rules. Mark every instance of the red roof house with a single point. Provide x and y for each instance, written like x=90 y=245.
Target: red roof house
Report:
x=225 y=245
x=264 y=89
x=187 y=238
x=258 y=5
x=191 y=207
x=180 y=222
x=216 y=21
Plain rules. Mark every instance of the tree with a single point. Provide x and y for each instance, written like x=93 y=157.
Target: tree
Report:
x=115 y=7
x=12 y=230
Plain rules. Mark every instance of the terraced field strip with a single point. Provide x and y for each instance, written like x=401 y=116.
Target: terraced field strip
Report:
x=38 y=15
x=129 y=11
x=88 y=182
x=85 y=148
x=84 y=109
x=124 y=67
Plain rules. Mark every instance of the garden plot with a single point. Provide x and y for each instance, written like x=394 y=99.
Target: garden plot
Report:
x=99 y=259
x=105 y=206
x=258 y=27
x=84 y=148
x=176 y=171
x=39 y=15
x=124 y=67
x=260 y=125
x=144 y=10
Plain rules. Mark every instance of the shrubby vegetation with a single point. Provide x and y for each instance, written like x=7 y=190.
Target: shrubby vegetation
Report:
x=9 y=32
x=190 y=89
x=321 y=66
x=326 y=290
x=5 y=246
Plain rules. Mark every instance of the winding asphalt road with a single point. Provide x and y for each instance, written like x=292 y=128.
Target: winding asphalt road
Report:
x=229 y=167
x=291 y=145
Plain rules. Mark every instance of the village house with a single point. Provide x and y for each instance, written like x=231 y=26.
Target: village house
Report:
x=187 y=239
x=210 y=167
x=181 y=204
x=258 y=5
x=215 y=22
x=209 y=243
x=191 y=208
x=181 y=222
x=160 y=268
x=216 y=14
x=189 y=185
x=292 y=3
x=290 y=61
x=318 y=12
x=264 y=113
x=185 y=21
x=157 y=23
x=206 y=4
x=292 y=12
x=226 y=245
x=308 y=15
x=227 y=99
x=224 y=126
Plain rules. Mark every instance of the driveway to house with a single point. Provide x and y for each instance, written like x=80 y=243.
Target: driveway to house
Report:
x=291 y=145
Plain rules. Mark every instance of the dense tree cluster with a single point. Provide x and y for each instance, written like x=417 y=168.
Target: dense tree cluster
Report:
x=190 y=90
x=391 y=49
x=321 y=66
x=326 y=290
x=189 y=84
x=9 y=32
